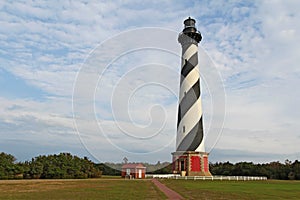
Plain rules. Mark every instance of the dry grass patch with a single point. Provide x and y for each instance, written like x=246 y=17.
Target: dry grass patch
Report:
x=79 y=189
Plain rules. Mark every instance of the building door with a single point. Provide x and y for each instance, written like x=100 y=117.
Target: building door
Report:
x=182 y=168
x=140 y=173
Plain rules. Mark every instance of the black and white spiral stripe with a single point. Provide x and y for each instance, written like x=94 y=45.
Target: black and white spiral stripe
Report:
x=190 y=125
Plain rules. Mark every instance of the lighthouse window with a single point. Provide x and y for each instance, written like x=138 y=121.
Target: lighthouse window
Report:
x=184 y=93
x=183 y=128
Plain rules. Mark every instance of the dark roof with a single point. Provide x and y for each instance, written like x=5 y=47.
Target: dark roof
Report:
x=133 y=165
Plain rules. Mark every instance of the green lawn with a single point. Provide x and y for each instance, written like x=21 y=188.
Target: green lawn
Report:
x=79 y=189
x=270 y=189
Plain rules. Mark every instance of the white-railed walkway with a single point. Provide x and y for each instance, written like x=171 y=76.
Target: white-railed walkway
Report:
x=212 y=178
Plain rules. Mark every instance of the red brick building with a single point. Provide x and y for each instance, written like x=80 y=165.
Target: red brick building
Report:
x=191 y=163
x=133 y=170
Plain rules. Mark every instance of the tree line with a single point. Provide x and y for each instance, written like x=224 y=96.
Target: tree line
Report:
x=274 y=170
x=65 y=165
x=61 y=166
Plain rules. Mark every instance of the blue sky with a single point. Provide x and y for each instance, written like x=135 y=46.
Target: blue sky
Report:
x=253 y=45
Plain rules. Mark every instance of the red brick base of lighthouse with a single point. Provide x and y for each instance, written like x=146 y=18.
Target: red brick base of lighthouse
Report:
x=191 y=163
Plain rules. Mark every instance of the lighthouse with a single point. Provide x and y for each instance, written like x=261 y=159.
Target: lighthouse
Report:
x=190 y=158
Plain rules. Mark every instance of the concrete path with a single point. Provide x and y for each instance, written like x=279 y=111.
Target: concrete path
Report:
x=171 y=194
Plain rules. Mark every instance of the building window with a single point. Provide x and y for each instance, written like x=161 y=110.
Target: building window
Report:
x=183 y=129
